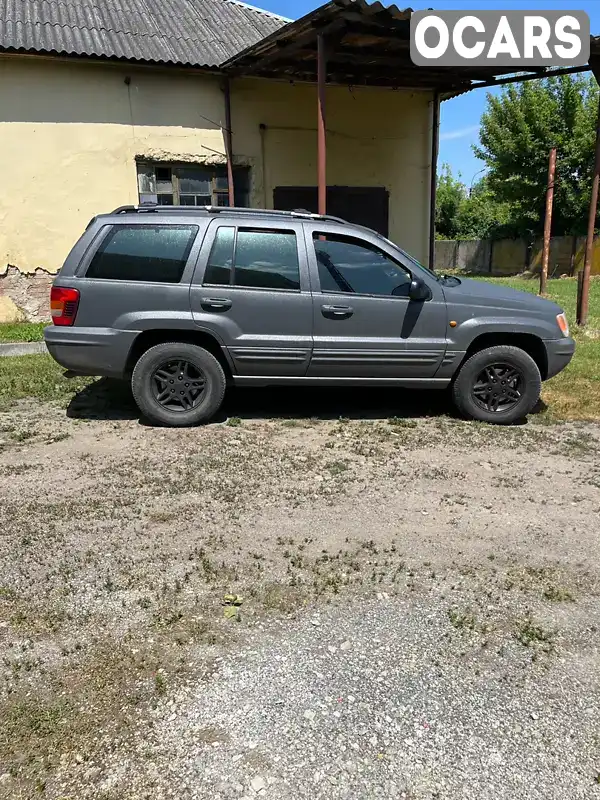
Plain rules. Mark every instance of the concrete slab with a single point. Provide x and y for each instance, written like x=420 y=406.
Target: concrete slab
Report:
x=22 y=348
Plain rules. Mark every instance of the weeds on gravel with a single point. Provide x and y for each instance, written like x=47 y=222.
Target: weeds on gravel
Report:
x=558 y=594
x=32 y=719
x=337 y=467
x=59 y=721
x=546 y=580
x=462 y=619
x=21 y=436
x=402 y=422
x=529 y=634
x=160 y=684
x=467 y=620
x=282 y=598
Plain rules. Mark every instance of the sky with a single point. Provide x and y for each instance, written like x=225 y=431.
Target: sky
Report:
x=459 y=117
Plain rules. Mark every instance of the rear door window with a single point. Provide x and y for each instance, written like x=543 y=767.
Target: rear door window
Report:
x=254 y=258
x=155 y=253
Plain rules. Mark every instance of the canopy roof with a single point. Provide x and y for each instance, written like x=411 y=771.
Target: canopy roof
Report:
x=367 y=44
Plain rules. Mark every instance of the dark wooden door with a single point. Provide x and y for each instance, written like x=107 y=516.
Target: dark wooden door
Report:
x=363 y=205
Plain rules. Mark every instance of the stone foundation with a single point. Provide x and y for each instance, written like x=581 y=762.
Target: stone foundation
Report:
x=25 y=296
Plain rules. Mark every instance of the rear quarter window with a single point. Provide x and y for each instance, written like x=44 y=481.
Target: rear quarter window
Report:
x=155 y=253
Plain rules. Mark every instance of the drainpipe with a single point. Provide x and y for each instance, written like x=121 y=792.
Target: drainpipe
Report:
x=228 y=142
x=321 y=137
x=263 y=156
x=435 y=143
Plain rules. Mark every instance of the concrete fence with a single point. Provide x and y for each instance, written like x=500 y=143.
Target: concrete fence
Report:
x=513 y=256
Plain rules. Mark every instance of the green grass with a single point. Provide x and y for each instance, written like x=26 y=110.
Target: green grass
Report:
x=575 y=392
x=22 y=331
x=36 y=376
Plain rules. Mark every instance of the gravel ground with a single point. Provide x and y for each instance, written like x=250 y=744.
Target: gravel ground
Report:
x=296 y=606
x=379 y=701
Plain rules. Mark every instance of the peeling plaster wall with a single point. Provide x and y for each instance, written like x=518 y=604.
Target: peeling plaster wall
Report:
x=70 y=133
x=24 y=295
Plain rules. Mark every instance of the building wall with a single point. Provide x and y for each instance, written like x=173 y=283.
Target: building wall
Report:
x=375 y=137
x=70 y=133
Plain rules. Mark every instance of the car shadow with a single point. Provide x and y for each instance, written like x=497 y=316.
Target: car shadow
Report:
x=112 y=400
x=326 y=403
x=107 y=399
x=104 y=399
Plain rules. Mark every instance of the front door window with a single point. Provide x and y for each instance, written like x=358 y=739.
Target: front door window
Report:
x=351 y=265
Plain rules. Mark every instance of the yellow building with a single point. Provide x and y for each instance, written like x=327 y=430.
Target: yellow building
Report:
x=101 y=107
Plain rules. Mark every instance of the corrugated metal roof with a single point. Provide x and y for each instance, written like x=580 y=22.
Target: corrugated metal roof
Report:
x=199 y=33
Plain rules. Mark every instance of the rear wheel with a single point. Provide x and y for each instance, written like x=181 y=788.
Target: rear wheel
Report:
x=178 y=384
x=499 y=384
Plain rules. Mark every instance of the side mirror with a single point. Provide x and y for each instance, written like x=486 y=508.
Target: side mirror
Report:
x=419 y=290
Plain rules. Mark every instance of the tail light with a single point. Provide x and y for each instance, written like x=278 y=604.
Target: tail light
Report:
x=63 y=305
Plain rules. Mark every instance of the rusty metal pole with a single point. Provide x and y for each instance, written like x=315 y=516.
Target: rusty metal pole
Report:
x=435 y=143
x=548 y=220
x=321 y=130
x=583 y=305
x=228 y=143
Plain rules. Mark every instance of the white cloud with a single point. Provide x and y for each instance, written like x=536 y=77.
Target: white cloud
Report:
x=460 y=133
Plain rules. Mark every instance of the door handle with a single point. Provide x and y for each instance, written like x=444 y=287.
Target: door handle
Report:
x=337 y=312
x=215 y=303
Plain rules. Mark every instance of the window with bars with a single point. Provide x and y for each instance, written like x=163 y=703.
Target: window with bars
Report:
x=190 y=185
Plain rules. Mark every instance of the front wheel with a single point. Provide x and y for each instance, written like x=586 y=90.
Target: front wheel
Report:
x=499 y=385
x=178 y=384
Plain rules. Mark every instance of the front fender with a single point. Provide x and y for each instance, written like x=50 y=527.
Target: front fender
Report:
x=464 y=333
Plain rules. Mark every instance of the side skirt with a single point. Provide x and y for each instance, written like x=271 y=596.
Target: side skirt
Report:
x=274 y=380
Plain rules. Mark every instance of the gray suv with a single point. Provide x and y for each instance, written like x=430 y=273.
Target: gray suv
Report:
x=184 y=301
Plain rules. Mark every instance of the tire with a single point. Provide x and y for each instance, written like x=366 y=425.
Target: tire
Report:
x=189 y=395
x=479 y=385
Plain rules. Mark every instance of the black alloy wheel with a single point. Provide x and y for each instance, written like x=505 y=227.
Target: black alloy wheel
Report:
x=499 y=384
x=498 y=388
x=178 y=385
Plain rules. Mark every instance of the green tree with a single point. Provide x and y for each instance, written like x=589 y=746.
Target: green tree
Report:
x=450 y=197
x=463 y=213
x=482 y=215
x=518 y=129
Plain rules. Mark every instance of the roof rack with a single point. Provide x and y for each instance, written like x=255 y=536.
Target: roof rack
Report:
x=154 y=208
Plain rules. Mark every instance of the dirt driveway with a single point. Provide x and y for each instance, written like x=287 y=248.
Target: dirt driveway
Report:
x=413 y=606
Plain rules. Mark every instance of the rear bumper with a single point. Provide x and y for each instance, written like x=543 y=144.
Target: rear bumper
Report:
x=559 y=352
x=90 y=351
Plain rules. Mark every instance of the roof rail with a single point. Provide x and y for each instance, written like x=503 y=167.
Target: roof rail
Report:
x=295 y=214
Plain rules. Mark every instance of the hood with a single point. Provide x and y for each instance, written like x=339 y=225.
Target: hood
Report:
x=492 y=295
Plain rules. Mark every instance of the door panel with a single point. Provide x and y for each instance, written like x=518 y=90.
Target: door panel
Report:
x=371 y=336
x=267 y=331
